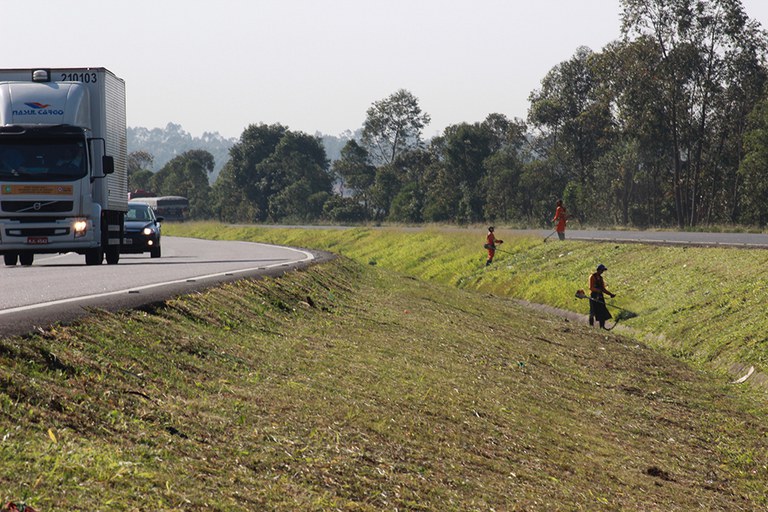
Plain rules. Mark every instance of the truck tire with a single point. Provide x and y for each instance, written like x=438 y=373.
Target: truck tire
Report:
x=94 y=256
x=26 y=258
x=11 y=258
x=112 y=254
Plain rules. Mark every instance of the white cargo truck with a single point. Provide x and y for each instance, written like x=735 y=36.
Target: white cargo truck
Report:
x=63 y=155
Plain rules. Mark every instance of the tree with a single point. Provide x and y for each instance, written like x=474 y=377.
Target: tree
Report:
x=392 y=126
x=139 y=164
x=245 y=184
x=574 y=117
x=356 y=172
x=754 y=168
x=187 y=175
x=703 y=48
x=300 y=178
x=474 y=170
x=628 y=73
x=344 y=209
x=408 y=204
x=273 y=174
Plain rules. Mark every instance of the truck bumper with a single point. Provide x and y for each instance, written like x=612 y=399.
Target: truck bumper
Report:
x=56 y=236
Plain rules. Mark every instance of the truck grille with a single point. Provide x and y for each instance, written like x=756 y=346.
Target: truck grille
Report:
x=36 y=206
x=11 y=232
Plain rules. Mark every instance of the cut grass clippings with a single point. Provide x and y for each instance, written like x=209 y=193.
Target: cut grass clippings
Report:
x=704 y=305
x=347 y=386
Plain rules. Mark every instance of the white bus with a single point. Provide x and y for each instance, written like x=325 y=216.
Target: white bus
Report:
x=170 y=208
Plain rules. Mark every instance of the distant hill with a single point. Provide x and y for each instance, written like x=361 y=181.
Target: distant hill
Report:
x=166 y=143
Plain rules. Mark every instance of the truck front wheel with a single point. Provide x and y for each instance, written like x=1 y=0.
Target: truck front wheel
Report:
x=26 y=258
x=94 y=256
x=11 y=258
x=113 y=255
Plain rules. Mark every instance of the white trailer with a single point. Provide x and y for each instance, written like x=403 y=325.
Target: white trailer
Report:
x=63 y=156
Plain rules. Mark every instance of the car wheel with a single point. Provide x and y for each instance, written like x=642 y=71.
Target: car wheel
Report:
x=154 y=252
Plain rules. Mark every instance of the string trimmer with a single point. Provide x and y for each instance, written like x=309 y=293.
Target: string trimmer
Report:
x=624 y=314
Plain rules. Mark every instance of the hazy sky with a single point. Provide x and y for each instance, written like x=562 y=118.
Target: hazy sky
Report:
x=311 y=65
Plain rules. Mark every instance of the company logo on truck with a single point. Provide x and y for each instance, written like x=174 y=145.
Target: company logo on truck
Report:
x=38 y=109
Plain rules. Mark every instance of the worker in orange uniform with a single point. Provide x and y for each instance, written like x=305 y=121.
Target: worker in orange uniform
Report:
x=598 y=291
x=490 y=243
x=560 y=217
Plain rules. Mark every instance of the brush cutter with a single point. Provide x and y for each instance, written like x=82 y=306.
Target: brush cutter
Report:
x=496 y=247
x=549 y=235
x=624 y=314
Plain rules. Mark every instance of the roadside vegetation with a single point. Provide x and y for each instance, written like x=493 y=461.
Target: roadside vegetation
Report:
x=665 y=126
x=702 y=305
x=352 y=386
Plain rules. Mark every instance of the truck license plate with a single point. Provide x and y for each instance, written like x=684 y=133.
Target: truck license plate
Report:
x=37 y=240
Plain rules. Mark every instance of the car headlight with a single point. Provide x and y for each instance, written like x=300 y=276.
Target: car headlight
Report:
x=148 y=231
x=80 y=227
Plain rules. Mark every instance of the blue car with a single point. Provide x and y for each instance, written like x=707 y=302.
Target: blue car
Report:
x=142 y=230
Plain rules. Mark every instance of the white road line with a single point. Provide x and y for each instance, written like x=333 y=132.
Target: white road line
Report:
x=308 y=257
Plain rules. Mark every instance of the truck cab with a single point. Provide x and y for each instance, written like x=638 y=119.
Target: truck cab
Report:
x=59 y=145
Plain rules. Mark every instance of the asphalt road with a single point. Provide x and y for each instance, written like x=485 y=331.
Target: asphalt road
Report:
x=739 y=240
x=61 y=288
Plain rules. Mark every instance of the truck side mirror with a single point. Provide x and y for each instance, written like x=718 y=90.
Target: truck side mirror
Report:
x=107 y=164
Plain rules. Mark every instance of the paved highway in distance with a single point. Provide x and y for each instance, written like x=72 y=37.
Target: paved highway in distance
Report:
x=743 y=240
x=61 y=288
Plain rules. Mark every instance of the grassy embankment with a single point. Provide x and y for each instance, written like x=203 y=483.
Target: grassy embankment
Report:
x=350 y=386
x=703 y=305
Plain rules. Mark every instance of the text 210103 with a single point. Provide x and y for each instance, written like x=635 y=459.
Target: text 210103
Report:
x=88 y=78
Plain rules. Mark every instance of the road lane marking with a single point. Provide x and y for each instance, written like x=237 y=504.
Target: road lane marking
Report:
x=229 y=273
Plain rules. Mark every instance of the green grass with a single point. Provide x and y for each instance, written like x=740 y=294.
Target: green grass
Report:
x=702 y=304
x=352 y=386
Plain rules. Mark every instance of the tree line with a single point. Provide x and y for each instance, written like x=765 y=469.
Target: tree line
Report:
x=667 y=126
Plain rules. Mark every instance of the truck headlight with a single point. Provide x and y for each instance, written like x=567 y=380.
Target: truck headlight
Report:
x=80 y=228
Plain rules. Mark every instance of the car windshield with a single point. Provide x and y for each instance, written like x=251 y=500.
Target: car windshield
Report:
x=138 y=212
x=42 y=160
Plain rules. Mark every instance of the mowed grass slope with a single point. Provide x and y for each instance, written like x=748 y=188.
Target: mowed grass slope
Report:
x=704 y=305
x=351 y=387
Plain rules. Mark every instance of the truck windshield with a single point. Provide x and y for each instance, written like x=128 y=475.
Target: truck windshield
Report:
x=42 y=160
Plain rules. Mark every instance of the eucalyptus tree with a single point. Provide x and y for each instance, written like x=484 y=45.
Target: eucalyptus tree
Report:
x=392 y=126
x=574 y=120
x=627 y=73
x=754 y=168
x=503 y=168
x=704 y=50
